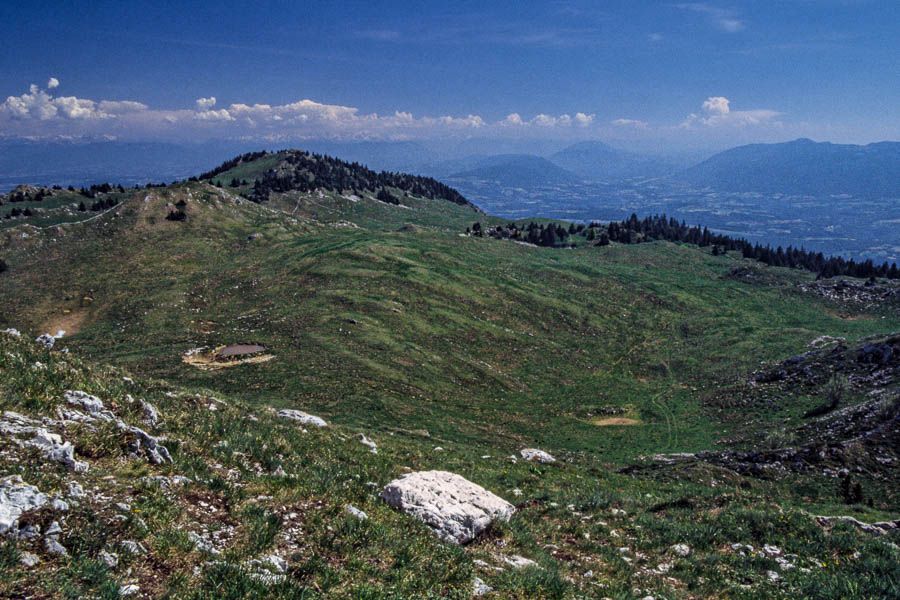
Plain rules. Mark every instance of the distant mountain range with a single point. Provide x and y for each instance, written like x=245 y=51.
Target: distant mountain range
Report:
x=798 y=167
x=596 y=160
x=518 y=170
x=803 y=167
x=24 y=161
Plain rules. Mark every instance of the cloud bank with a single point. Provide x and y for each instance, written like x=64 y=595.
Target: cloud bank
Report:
x=40 y=113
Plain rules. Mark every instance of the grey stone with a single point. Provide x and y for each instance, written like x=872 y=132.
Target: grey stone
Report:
x=278 y=564
x=150 y=415
x=54 y=547
x=75 y=490
x=17 y=497
x=480 y=588
x=455 y=508
x=133 y=547
x=46 y=340
x=299 y=415
x=92 y=404
x=518 y=562
x=53 y=529
x=536 y=455
x=109 y=559
x=201 y=544
x=28 y=559
x=355 y=512
x=65 y=454
x=373 y=448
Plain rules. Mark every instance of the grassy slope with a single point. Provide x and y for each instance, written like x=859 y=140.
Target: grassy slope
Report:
x=468 y=338
x=479 y=346
x=570 y=519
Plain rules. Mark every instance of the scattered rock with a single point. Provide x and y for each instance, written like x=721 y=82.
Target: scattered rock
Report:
x=166 y=483
x=150 y=415
x=13 y=332
x=299 y=415
x=518 y=562
x=156 y=452
x=480 y=588
x=53 y=529
x=83 y=400
x=455 y=508
x=28 y=559
x=201 y=544
x=355 y=512
x=109 y=559
x=880 y=528
x=46 y=340
x=373 y=448
x=278 y=564
x=133 y=547
x=682 y=550
x=52 y=546
x=59 y=505
x=537 y=455
x=17 y=497
x=129 y=590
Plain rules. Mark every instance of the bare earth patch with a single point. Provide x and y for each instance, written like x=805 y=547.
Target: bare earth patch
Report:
x=226 y=356
x=616 y=421
x=69 y=321
x=846 y=317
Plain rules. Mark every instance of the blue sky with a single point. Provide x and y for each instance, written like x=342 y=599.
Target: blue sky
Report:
x=692 y=74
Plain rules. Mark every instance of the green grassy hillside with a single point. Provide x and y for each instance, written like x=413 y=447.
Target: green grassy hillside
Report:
x=385 y=319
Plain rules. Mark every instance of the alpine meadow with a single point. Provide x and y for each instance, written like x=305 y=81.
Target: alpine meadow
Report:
x=524 y=325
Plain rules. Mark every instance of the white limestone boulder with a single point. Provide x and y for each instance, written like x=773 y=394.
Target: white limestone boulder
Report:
x=537 y=455
x=17 y=497
x=299 y=415
x=454 y=507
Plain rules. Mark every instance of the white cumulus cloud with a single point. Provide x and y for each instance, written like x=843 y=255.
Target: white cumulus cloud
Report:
x=630 y=123
x=717 y=112
x=717 y=105
x=52 y=83
x=206 y=103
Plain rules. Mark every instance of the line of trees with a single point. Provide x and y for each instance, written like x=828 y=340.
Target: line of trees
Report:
x=659 y=227
x=548 y=235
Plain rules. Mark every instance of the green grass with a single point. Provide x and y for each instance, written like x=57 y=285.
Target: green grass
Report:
x=301 y=515
x=424 y=338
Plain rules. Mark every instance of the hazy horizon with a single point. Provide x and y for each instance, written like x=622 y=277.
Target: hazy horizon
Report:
x=653 y=77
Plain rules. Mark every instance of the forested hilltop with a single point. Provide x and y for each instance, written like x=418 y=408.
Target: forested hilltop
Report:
x=296 y=170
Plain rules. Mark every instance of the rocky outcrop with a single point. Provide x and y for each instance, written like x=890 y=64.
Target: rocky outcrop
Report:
x=880 y=528
x=17 y=497
x=454 y=507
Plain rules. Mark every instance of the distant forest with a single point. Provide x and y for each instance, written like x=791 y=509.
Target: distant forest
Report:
x=660 y=227
x=307 y=172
